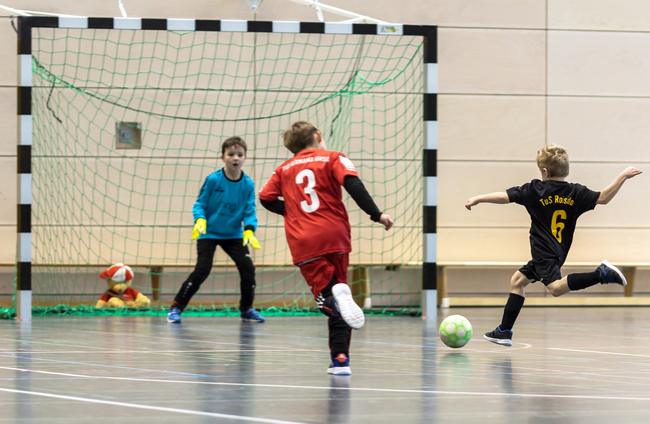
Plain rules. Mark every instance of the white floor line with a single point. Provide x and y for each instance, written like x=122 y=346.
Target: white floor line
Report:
x=350 y=389
x=154 y=338
x=25 y=356
x=149 y=407
x=121 y=351
x=150 y=338
x=636 y=355
x=480 y=339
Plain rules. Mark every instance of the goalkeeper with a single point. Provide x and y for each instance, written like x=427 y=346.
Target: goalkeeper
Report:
x=225 y=202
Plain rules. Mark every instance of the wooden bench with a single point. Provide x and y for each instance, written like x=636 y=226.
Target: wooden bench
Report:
x=360 y=282
x=628 y=269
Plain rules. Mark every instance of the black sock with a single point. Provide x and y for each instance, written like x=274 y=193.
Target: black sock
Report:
x=339 y=336
x=511 y=311
x=582 y=280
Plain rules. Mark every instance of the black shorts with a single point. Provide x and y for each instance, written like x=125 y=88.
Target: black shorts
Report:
x=544 y=270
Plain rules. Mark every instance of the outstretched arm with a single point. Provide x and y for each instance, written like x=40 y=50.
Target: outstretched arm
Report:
x=610 y=191
x=496 y=197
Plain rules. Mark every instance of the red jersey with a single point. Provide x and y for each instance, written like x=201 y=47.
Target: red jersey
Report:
x=315 y=220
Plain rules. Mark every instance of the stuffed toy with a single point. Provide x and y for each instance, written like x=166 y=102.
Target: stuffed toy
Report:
x=120 y=294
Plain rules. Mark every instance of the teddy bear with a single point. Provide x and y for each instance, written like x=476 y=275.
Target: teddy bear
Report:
x=120 y=294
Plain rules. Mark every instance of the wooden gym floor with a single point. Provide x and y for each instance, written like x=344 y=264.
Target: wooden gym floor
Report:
x=567 y=365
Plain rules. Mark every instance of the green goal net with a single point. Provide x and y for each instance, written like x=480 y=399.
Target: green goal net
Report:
x=128 y=123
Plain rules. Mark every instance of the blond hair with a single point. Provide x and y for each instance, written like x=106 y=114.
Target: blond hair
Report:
x=555 y=159
x=299 y=136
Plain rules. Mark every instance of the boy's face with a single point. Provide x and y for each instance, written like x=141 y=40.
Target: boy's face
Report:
x=234 y=157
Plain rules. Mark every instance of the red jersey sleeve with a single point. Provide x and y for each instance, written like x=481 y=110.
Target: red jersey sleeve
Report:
x=272 y=189
x=342 y=166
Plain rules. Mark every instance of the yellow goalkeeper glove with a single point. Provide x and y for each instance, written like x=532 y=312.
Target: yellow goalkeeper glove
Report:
x=249 y=238
x=200 y=227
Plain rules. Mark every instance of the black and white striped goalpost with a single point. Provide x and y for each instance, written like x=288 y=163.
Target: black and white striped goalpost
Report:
x=24 y=153
x=429 y=267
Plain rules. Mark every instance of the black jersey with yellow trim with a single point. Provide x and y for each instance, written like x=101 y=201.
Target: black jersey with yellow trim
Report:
x=554 y=208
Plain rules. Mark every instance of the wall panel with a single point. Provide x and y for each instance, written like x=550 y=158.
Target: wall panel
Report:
x=482 y=61
x=602 y=129
x=490 y=127
x=610 y=15
x=598 y=63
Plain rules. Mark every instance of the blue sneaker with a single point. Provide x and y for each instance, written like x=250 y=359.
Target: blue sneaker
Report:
x=499 y=336
x=340 y=365
x=174 y=316
x=252 y=315
x=610 y=274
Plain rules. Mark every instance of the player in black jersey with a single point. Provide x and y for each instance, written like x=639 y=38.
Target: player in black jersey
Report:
x=554 y=206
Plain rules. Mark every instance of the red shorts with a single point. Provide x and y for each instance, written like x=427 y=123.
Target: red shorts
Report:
x=318 y=272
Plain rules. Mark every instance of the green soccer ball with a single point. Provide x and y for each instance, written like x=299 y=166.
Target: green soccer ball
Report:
x=455 y=331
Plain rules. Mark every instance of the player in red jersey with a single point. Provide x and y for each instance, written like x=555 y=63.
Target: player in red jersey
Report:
x=318 y=230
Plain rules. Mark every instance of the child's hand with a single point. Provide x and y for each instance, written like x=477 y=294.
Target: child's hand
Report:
x=472 y=201
x=200 y=227
x=386 y=221
x=630 y=172
x=249 y=238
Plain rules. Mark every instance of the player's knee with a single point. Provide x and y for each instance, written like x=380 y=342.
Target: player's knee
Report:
x=201 y=273
x=517 y=283
x=246 y=266
x=202 y=269
x=555 y=290
x=247 y=285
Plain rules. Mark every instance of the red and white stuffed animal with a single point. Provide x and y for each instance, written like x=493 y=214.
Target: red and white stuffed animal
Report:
x=120 y=294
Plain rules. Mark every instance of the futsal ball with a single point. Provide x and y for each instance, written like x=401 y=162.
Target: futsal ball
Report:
x=455 y=331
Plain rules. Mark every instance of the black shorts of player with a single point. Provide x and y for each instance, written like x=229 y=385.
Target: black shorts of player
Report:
x=544 y=270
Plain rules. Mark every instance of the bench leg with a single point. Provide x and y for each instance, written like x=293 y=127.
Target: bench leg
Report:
x=629 y=272
x=441 y=279
x=155 y=272
x=361 y=287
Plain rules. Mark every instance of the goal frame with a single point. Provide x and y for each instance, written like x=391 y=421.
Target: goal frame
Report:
x=25 y=24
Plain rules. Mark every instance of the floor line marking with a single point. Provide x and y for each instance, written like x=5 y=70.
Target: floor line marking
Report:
x=25 y=357
x=150 y=407
x=120 y=351
x=637 y=355
x=350 y=389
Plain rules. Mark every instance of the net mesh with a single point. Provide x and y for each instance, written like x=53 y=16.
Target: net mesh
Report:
x=95 y=204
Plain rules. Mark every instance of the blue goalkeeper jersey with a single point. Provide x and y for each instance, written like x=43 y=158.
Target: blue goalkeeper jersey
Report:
x=227 y=205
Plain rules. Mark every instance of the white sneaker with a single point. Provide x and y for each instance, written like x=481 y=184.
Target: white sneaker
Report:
x=348 y=308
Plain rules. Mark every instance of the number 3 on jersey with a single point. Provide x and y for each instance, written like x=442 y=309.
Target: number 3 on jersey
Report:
x=314 y=202
x=556 y=225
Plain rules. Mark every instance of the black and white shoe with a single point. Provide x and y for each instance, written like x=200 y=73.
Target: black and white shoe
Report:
x=499 y=336
x=351 y=313
x=610 y=274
